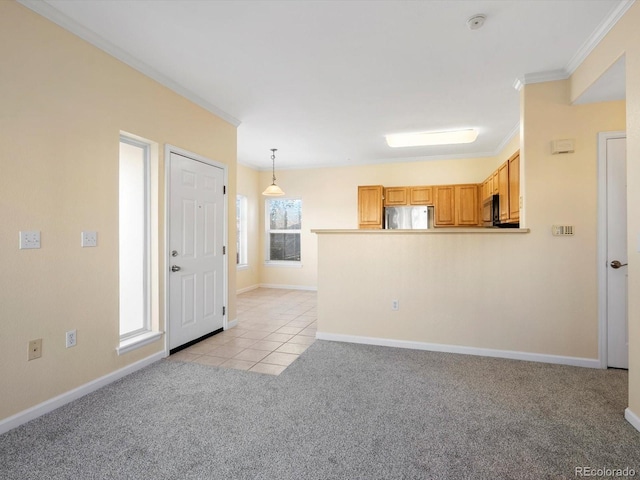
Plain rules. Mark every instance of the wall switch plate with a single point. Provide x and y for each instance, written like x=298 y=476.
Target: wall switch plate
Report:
x=89 y=239
x=30 y=239
x=72 y=338
x=35 y=349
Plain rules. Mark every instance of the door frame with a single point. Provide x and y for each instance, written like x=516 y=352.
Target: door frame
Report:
x=602 y=242
x=168 y=150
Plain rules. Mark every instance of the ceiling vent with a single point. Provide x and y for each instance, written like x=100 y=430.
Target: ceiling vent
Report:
x=476 y=22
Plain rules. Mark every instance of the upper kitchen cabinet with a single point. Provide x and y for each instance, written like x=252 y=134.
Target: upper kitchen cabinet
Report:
x=421 y=195
x=466 y=203
x=370 y=206
x=456 y=205
x=396 y=196
x=514 y=188
x=509 y=189
x=445 y=206
x=400 y=196
x=503 y=191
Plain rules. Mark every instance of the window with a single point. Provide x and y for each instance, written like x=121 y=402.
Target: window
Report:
x=134 y=238
x=241 y=226
x=283 y=223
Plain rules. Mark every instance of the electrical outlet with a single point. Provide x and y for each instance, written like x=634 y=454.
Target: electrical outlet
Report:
x=72 y=338
x=89 y=239
x=395 y=305
x=35 y=349
x=29 y=239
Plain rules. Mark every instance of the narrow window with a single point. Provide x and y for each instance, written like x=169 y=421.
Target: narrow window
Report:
x=283 y=222
x=134 y=238
x=241 y=225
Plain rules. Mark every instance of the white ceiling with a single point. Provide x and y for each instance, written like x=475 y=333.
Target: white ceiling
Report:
x=324 y=81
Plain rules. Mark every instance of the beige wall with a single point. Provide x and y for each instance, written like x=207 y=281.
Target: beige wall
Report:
x=624 y=39
x=64 y=103
x=529 y=293
x=330 y=200
x=248 y=185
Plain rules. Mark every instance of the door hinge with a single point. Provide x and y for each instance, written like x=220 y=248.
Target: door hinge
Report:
x=224 y=189
x=224 y=250
x=224 y=311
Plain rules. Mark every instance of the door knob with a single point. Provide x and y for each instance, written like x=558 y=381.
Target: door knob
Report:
x=175 y=268
x=616 y=264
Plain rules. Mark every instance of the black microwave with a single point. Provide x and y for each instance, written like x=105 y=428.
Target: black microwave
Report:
x=491 y=213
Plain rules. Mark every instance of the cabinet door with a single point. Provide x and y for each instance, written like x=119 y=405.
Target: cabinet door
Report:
x=495 y=184
x=396 y=196
x=370 y=210
x=444 y=201
x=421 y=195
x=466 y=203
x=503 y=191
x=486 y=188
x=514 y=188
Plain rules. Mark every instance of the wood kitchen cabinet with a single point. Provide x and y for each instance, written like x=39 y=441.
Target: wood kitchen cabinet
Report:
x=466 y=205
x=503 y=191
x=444 y=199
x=504 y=182
x=486 y=189
x=495 y=184
x=514 y=188
x=396 y=196
x=399 y=196
x=456 y=205
x=421 y=195
x=370 y=206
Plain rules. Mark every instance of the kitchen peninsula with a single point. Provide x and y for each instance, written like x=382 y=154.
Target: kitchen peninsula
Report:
x=452 y=290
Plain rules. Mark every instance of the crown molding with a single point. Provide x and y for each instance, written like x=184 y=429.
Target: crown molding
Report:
x=583 y=52
x=540 y=77
x=601 y=31
x=512 y=133
x=56 y=16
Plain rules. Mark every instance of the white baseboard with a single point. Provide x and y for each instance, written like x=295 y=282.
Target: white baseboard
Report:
x=483 y=352
x=56 y=402
x=231 y=324
x=632 y=418
x=288 y=287
x=247 y=289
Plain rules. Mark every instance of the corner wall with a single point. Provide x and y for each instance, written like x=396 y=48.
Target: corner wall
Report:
x=624 y=39
x=248 y=185
x=64 y=103
x=529 y=293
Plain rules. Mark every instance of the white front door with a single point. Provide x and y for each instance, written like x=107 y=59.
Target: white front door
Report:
x=196 y=242
x=617 y=324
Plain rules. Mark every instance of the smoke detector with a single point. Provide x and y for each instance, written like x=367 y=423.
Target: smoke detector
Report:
x=476 y=22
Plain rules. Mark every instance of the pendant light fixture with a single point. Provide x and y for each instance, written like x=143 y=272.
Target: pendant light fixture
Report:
x=273 y=190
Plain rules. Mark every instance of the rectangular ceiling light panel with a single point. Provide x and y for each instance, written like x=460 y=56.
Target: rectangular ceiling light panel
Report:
x=422 y=139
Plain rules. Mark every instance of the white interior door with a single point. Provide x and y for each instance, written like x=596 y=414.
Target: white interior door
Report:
x=196 y=260
x=617 y=323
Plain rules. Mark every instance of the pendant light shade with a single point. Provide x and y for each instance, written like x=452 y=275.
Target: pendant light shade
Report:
x=273 y=190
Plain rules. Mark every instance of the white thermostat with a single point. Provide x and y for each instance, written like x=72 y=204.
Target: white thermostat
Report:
x=563 y=146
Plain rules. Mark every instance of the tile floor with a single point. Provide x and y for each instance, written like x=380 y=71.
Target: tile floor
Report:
x=274 y=327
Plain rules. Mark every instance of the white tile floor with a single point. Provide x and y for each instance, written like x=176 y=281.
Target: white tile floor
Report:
x=274 y=327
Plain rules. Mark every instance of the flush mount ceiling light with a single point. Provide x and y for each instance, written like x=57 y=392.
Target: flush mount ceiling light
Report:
x=273 y=190
x=422 y=139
